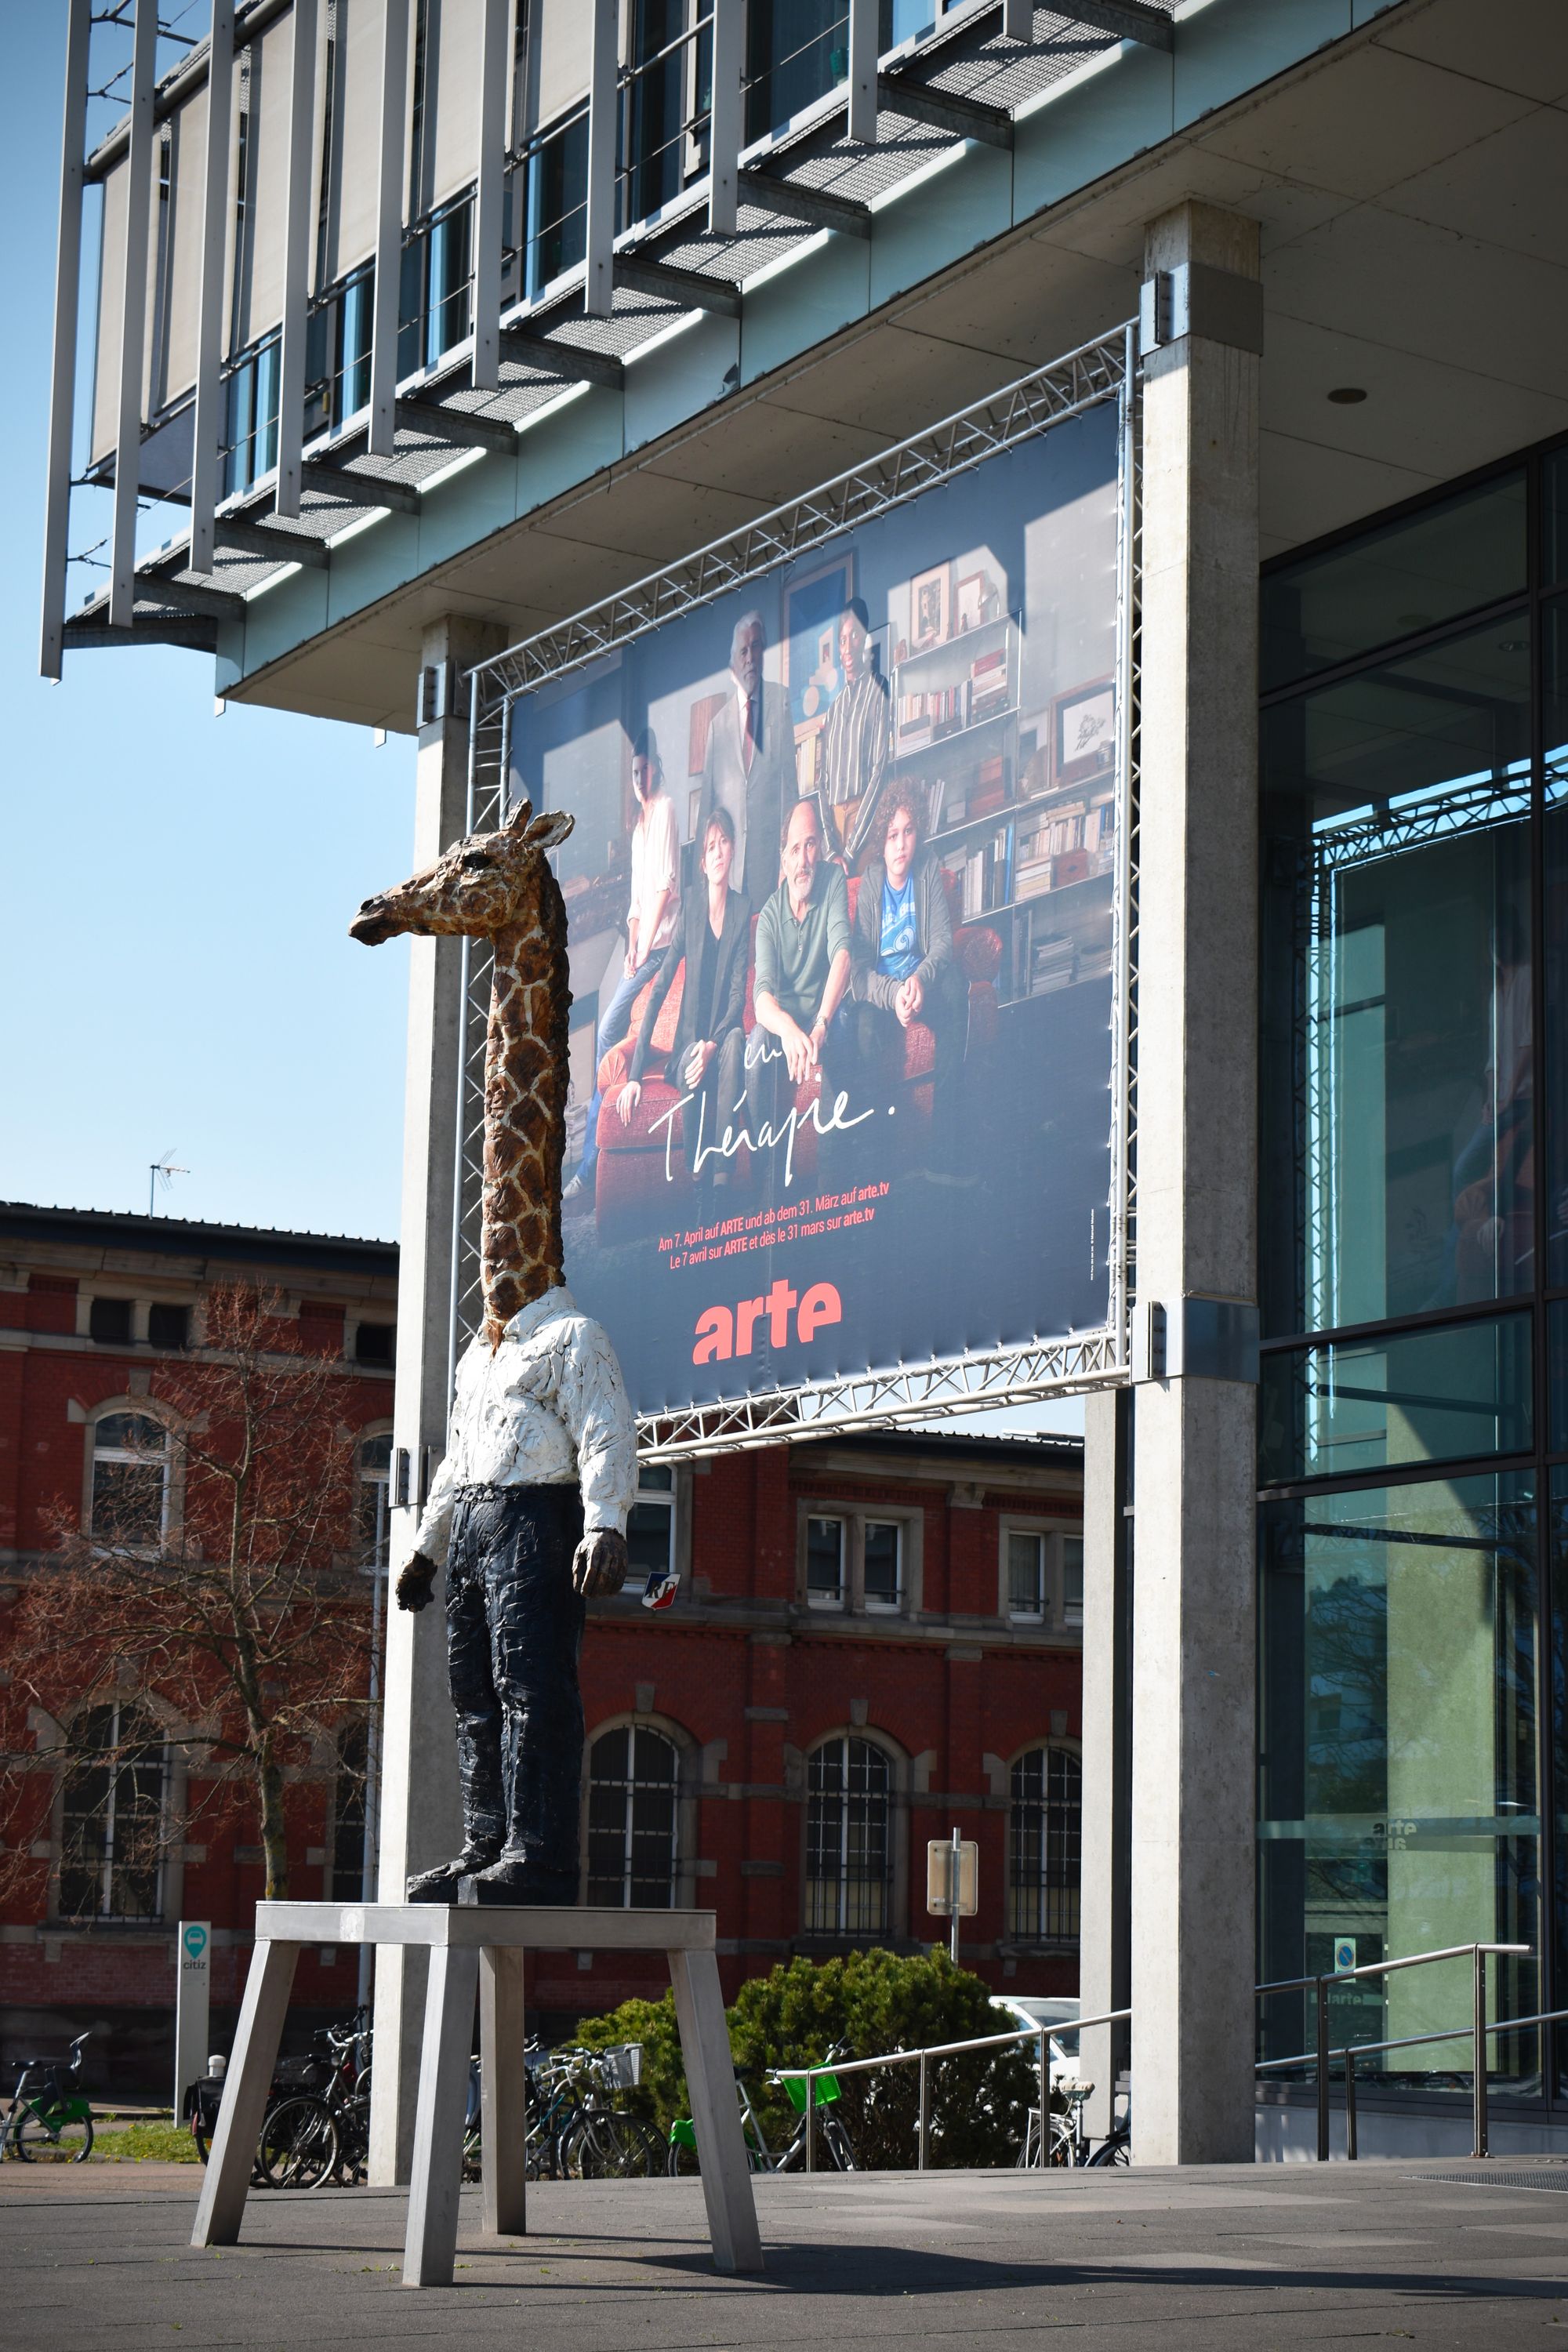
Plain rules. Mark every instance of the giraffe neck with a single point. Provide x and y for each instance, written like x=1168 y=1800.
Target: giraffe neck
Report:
x=526 y=1050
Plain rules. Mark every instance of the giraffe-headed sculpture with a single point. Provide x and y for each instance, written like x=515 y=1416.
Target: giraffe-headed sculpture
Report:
x=528 y=1510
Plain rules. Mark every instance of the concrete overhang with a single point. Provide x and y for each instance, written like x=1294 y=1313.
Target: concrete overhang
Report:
x=1403 y=159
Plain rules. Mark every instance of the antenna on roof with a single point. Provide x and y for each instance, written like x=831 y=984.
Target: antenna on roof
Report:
x=162 y=1171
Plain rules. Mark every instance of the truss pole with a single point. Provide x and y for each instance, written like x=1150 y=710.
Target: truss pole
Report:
x=382 y=437
x=62 y=387
x=863 y=30
x=296 y=258
x=598 y=294
x=133 y=317
x=726 y=120
x=487 y=177
x=208 y=430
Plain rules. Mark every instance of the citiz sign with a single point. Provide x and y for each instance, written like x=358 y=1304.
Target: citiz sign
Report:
x=722 y=1333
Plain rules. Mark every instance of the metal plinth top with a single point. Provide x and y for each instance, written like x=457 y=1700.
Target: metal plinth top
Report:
x=465 y=1928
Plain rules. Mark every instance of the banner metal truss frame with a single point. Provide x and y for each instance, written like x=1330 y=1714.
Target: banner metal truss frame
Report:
x=1099 y=371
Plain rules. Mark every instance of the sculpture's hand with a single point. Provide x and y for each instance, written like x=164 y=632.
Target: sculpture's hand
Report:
x=600 y=1563
x=418 y=1581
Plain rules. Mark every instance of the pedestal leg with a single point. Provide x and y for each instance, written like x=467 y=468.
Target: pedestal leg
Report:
x=432 y=2240
x=250 y=2070
x=503 y=2091
x=715 y=2112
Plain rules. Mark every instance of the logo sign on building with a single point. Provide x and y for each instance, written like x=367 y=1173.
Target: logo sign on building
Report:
x=844 y=902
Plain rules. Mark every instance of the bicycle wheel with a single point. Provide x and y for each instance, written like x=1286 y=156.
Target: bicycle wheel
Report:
x=681 y=2162
x=38 y=2140
x=632 y=2149
x=577 y=2155
x=840 y=2151
x=1059 y=2144
x=299 y=2144
x=1116 y=2150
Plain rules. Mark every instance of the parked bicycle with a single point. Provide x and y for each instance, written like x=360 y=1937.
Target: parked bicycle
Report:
x=1066 y=2141
x=579 y=2126
x=835 y=2149
x=316 y=2126
x=49 y=2120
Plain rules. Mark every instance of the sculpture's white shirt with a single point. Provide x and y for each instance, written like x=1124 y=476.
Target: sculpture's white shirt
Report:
x=549 y=1408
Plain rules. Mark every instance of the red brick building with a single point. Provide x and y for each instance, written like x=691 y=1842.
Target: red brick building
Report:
x=877 y=1638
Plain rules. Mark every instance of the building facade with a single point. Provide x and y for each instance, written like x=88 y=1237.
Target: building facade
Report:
x=876 y=1639
x=631 y=283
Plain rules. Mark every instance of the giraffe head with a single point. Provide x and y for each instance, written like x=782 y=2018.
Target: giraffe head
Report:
x=498 y=886
x=487 y=883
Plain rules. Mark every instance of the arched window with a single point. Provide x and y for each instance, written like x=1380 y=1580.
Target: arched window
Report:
x=633 y=1793
x=111 y=1828
x=848 y=1849
x=1044 y=1846
x=129 y=1480
x=374 y=1499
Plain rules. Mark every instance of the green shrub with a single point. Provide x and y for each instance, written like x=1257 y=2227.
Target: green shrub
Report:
x=873 y=2001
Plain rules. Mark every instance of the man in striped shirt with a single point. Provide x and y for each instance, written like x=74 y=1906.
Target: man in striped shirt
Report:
x=855 y=740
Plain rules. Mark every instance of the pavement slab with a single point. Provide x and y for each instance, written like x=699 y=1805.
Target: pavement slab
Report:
x=1275 y=2256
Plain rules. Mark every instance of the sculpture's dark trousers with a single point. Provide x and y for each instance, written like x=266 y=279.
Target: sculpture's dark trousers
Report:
x=514 y=1629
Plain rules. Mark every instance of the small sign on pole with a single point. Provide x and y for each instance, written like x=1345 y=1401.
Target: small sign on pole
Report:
x=192 y=2005
x=1344 y=1955
x=953 y=1882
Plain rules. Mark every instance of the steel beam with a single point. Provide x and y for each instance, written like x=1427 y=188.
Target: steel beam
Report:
x=864 y=18
x=1018 y=20
x=813 y=207
x=357 y=489
x=133 y=317
x=391 y=166
x=598 y=296
x=1129 y=20
x=62 y=383
x=146 y=629
x=245 y=537
x=192 y=596
x=463 y=430
x=488 y=191
x=571 y=360
x=727 y=115
x=210 y=389
x=944 y=110
x=687 y=288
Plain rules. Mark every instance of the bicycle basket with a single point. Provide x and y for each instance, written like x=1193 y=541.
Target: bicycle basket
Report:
x=824 y=2091
x=300 y=2075
x=623 y=2065
x=683 y=2133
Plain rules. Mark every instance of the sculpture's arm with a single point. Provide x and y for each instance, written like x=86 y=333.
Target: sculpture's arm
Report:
x=594 y=1407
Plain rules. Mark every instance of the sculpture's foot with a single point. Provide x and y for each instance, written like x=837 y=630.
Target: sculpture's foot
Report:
x=517 y=1881
x=441 y=1884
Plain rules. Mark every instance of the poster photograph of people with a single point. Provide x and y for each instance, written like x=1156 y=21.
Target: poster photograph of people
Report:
x=840 y=904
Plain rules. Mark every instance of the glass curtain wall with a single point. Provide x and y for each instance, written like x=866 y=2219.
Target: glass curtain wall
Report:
x=1413 y=1407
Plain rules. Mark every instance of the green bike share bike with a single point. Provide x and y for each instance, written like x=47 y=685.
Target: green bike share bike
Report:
x=49 y=2120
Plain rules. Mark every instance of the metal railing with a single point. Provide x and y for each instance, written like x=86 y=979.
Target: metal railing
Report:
x=1322 y=2056
x=1040 y=2033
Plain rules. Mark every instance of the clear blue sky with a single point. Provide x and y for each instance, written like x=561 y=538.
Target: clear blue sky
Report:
x=174 y=962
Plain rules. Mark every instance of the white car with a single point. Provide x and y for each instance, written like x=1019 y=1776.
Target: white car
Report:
x=1052 y=2010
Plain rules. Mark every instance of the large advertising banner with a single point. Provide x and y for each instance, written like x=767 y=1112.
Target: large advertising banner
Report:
x=841 y=899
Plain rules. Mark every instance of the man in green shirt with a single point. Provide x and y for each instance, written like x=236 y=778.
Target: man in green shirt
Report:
x=802 y=947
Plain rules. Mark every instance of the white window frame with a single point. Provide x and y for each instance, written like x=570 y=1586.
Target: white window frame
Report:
x=681 y=1828
x=835 y=1603
x=854 y=1518
x=1061 y=1551
x=662 y=1499
x=104 y=1860
x=1037 y=1932
x=840 y=1930
x=374 y=1432
x=138 y=1408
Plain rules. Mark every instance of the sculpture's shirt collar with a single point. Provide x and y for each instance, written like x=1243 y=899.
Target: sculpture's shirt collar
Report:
x=557 y=1300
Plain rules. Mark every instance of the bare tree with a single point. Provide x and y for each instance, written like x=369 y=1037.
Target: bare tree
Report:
x=217 y=1579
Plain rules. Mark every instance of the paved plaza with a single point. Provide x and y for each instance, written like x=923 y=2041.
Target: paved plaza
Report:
x=1281 y=2256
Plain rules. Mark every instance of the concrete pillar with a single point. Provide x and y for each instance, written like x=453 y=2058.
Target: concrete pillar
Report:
x=419 y=1813
x=1194 y=1641
x=1105 y=1898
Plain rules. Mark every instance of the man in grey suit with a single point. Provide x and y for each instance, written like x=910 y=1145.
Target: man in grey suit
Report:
x=749 y=766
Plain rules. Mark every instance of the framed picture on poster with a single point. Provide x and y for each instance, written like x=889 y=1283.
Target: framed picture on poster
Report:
x=812 y=670
x=930 y=611
x=1083 y=731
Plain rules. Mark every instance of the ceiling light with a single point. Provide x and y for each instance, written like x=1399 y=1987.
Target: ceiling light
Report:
x=1347 y=395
